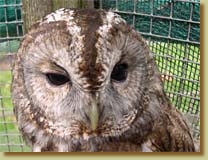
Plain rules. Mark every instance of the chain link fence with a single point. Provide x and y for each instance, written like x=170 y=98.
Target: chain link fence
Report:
x=170 y=27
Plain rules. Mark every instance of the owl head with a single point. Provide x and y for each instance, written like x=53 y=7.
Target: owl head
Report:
x=82 y=74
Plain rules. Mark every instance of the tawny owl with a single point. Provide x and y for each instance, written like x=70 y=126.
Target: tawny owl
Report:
x=84 y=80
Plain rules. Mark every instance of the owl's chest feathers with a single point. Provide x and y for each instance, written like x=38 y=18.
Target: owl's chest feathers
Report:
x=145 y=134
x=49 y=137
x=93 y=144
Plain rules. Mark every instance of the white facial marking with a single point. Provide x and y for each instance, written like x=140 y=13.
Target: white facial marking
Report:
x=59 y=15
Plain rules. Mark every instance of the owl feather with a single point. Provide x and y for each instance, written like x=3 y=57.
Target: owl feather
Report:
x=84 y=80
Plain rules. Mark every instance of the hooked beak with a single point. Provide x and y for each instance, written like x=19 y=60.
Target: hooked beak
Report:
x=94 y=114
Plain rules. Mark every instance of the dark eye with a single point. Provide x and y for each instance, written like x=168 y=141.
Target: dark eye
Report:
x=57 y=79
x=119 y=73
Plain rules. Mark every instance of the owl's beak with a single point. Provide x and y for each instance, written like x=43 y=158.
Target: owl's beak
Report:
x=94 y=114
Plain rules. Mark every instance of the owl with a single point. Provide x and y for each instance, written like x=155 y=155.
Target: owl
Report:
x=86 y=81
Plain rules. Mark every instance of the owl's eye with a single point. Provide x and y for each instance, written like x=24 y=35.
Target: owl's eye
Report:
x=57 y=79
x=119 y=73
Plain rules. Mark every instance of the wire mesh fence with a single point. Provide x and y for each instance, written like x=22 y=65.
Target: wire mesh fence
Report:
x=172 y=30
x=10 y=34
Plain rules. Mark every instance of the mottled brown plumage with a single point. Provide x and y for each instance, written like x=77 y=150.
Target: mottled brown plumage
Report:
x=84 y=80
